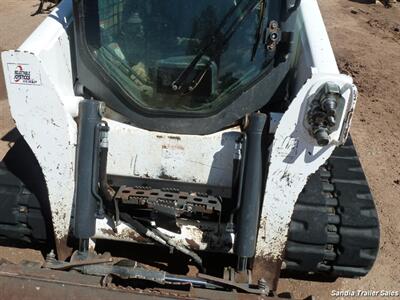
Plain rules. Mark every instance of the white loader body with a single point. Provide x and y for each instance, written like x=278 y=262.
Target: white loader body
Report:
x=40 y=84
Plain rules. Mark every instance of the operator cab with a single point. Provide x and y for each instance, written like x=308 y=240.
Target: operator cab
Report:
x=183 y=62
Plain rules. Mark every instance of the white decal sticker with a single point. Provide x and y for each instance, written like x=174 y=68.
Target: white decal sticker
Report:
x=23 y=74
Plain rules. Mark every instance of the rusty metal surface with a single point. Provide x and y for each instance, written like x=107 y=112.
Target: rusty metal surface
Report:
x=20 y=282
x=76 y=261
x=62 y=249
x=267 y=269
x=238 y=286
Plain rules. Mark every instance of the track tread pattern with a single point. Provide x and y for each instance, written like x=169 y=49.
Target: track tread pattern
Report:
x=20 y=212
x=335 y=227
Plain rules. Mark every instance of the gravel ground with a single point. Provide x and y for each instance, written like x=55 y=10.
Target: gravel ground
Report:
x=366 y=41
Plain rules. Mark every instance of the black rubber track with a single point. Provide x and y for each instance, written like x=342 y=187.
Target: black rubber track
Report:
x=20 y=211
x=334 y=229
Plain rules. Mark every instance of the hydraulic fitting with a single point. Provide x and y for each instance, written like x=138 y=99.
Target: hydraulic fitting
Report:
x=321 y=116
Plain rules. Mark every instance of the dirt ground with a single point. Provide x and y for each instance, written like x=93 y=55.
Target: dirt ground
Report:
x=366 y=41
x=15 y=26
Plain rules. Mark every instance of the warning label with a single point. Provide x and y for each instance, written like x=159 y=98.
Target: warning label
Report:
x=22 y=74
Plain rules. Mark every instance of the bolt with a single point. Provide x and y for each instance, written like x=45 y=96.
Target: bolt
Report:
x=189 y=208
x=331 y=88
x=274 y=25
x=329 y=103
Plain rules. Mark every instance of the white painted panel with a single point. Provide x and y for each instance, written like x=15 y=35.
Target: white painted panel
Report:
x=204 y=159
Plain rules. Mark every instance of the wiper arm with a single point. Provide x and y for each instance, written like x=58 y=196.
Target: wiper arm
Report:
x=178 y=83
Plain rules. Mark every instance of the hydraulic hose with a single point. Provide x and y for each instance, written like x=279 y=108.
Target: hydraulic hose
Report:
x=161 y=238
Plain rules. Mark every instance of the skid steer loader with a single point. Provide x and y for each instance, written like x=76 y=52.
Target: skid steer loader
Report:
x=182 y=149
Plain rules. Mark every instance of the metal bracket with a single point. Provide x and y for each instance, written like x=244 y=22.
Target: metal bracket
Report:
x=295 y=155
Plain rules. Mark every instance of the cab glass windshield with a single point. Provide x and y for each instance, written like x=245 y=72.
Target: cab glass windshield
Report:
x=187 y=56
